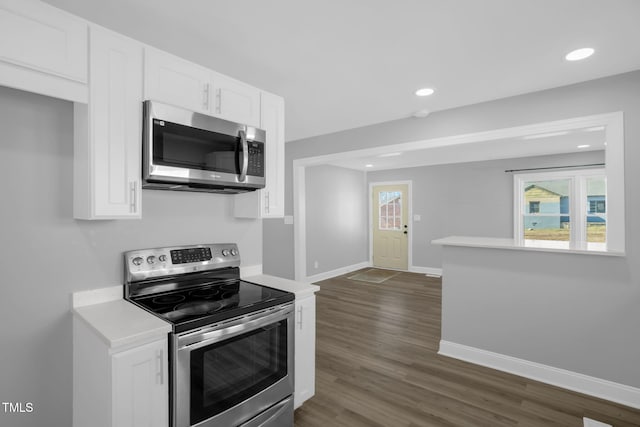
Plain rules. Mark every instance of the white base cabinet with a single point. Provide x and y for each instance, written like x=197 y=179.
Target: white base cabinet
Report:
x=140 y=392
x=305 y=351
x=305 y=332
x=118 y=388
x=108 y=131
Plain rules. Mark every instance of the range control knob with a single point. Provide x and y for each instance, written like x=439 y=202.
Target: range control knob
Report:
x=225 y=252
x=162 y=258
x=137 y=260
x=151 y=259
x=234 y=252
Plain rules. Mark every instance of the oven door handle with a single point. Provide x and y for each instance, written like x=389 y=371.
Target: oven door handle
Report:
x=203 y=338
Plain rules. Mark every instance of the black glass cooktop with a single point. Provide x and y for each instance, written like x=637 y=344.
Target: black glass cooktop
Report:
x=211 y=302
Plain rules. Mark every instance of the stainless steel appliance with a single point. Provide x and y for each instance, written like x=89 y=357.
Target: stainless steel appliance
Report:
x=231 y=348
x=187 y=151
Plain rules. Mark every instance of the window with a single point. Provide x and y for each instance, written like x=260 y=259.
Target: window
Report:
x=562 y=209
x=596 y=206
x=390 y=209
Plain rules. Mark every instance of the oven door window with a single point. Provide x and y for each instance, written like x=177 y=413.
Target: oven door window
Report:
x=229 y=372
x=186 y=147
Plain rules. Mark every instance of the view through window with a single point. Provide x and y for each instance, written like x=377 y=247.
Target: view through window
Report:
x=564 y=209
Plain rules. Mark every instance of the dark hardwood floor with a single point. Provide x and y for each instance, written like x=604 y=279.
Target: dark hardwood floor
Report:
x=377 y=365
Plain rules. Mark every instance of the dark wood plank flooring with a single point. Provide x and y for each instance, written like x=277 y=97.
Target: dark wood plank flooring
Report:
x=377 y=365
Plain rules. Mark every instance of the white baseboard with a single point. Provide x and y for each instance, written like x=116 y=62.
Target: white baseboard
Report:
x=604 y=389
x=337 y=272
x=428 y=271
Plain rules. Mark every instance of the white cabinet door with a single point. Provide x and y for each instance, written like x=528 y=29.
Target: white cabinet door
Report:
x=268 y=202
x=305 y=350
x=272 y=108
x=140 y=391
x=43 y=49
x=173 y=80
x=107 y=133
x=236 y=101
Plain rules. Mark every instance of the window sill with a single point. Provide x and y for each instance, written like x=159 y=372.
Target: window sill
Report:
x=501 y=243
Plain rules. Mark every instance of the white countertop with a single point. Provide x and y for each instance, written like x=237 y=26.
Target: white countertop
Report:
x=299 y=288
x=120 y=323
x=502 y=243
x=116 y=321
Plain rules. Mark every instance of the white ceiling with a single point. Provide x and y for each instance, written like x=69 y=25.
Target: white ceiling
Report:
x=345 y=64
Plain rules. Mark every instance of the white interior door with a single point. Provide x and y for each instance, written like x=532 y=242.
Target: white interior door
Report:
x=390 y=236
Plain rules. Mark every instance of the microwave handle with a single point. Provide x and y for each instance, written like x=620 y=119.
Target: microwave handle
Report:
x=245 y=156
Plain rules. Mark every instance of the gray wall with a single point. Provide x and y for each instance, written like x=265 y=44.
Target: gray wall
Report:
x=576 y=312
x=467 y=199
x=617 y=93
x=336 y=206
x=46 y=254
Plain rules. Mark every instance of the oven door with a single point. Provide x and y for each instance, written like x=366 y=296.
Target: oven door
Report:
x=230 y=372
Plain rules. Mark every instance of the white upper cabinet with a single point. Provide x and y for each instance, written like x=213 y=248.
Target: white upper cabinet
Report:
x=43 y=50
x=268 y=202
x=48 y=51
x=175 y=81
x=235 y=101
x=178 y=82
x=108 y=131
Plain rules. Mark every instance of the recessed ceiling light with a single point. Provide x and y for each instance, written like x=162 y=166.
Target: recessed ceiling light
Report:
x=579 y=54
x=425 y=91
x=390 y=154
x=369 y=165
x=584 y=146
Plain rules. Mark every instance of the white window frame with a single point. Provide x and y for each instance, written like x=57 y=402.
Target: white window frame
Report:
x=577 y=212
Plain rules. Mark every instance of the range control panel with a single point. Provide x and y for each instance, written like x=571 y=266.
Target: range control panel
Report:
x=157 y=262
x=181 y=256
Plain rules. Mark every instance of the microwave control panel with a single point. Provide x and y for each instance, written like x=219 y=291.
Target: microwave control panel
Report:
x=256 y=159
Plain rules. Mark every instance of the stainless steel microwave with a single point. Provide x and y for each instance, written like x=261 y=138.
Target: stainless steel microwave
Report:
x=188 y=151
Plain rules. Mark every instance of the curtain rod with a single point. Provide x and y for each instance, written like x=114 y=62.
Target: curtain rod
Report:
x=555 y=167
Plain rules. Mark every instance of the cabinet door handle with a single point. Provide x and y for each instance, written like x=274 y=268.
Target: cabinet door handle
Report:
x=159 y=367
x=219 y=101
x=205 y=97
x=133 y=194
x=267 y=202
x=300 y=318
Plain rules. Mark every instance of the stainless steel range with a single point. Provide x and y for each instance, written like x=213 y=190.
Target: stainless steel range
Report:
x=231 y=349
